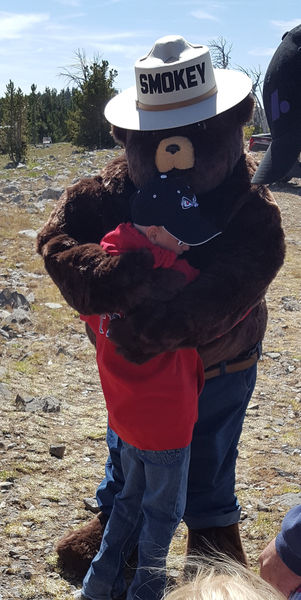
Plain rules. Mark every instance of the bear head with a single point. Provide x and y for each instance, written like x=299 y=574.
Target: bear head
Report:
x=205 y=152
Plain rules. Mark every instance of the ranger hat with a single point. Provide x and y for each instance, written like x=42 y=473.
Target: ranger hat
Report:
x=176 y=85
x=170 y=202
x=282 y=104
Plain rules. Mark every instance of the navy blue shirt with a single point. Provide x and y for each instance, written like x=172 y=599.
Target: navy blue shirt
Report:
x=288 y=541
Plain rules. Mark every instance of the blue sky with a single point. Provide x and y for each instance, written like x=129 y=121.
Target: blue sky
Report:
x=39 y=38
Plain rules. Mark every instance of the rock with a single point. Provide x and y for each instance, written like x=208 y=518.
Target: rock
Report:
x=4 y=334
x=282 y=473
x=11 y=446
x=272 y=355
x=45 y=502
x=291 y=303
x=6 y=485
x=10 y=189
x=91 y=504
x=47 y=404
x=27 y=575
x=29 y=506
x=263 y=507
x=31 y=233
x=5 y=393
x=18 y=198
x=242 y=486
x=53 y=305
x=13 y=299
x=290 y=499
x=19 y=315
x=52 y=193
x=57 y=450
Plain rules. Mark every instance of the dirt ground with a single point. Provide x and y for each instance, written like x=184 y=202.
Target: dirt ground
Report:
x=45 y=354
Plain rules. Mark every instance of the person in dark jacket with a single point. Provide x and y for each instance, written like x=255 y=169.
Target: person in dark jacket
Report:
x=280 y=561
x=282 y=105
x=222 y=313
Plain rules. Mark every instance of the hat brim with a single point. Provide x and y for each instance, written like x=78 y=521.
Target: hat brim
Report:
x=232 y=87
x=196 y=237
x=279 y=158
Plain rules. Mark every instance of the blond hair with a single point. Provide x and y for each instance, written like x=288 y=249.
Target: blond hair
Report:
x=223 y=579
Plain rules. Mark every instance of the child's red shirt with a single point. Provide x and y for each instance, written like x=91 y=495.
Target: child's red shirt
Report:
x=152 y=406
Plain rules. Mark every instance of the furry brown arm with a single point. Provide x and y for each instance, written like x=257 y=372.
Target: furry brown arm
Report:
x=236 y=270
x=90 y=280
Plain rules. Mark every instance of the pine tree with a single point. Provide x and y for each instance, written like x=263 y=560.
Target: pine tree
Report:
x=48 y=112
x=87 y=125
x=33 y=107
x=15 y=122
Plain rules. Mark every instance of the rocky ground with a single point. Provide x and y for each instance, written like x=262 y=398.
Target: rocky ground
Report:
x=53 y=420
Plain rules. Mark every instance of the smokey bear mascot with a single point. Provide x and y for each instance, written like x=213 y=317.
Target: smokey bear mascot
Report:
x=182 y=118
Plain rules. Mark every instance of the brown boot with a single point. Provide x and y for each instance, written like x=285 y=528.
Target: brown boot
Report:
x=77 y=548
x=223 y=539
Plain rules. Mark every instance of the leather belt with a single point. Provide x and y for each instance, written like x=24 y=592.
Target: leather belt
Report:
x=232 y=367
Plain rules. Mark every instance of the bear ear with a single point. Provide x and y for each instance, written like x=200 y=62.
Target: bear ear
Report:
x=119 y=135
x=244 y=110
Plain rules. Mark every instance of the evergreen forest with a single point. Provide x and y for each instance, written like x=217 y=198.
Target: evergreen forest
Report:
x=74 y=114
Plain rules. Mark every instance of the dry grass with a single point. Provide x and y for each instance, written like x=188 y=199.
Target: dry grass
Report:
x=52 y=356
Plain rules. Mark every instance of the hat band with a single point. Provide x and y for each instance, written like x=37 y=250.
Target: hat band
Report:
x=174 y=105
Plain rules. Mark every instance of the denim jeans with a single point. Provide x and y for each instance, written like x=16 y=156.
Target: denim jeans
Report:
x=211 y=499
x=146 y=510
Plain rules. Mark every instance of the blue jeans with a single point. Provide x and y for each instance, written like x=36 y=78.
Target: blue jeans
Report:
x=146 y=510
x=211 y=499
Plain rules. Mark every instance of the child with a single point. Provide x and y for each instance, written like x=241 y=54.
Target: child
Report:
x=152 y=407
x=224 y=579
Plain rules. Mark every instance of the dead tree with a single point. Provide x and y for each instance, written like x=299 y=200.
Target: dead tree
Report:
x=259 y=117
x=220 y=51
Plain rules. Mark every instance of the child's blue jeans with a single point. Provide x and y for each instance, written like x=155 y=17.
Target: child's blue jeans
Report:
x=147 y=510
x=211 y=499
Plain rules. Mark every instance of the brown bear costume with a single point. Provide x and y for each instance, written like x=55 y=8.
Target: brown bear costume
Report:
x=222 y=313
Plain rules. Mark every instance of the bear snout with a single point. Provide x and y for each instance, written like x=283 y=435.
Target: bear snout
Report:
x=174 y=152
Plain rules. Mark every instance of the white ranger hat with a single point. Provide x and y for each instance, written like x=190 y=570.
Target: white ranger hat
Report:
x=176 y=85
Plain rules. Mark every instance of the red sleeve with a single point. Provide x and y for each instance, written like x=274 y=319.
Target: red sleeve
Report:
x=182 y=265
x=92 y=321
